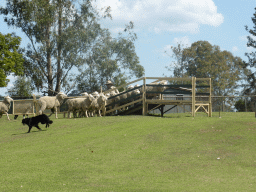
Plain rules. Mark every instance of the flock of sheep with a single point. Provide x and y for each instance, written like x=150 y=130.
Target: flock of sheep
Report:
x=88 y=104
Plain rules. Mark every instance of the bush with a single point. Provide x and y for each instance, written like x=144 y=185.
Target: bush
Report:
x=240 y=105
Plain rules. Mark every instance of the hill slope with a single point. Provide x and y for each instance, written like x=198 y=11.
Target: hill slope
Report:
x=133 y=153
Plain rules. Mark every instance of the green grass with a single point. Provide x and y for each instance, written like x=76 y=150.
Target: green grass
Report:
x=132 y=153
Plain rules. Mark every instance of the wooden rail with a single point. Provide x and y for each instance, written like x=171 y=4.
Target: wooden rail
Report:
x=181 y=89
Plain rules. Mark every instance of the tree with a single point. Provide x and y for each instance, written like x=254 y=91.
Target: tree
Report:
x=178 y=65
x=62 y=34
x=22 y=87
x=251 y=88
x=203 y=60
x=11 y=60
x=111 y=58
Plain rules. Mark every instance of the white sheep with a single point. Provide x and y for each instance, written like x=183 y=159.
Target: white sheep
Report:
x=95 y=94
x=111 y=94
x=132 y=93
x=85 y=94
x=115 y=90
x=50 y=102
x=98 y=104
x=156 y=89
x=74 y=105
x=5 y=106
x=87 y=104
x=121 y=100
x=124 y=98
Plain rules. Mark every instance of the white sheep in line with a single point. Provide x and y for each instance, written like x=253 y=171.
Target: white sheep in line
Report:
x=50 y=102
x=5 y=106
x=127 y=95
x=156 y=89
x=79 y=104
x=98 y=104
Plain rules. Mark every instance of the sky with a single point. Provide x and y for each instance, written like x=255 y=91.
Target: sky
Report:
x=160 y=24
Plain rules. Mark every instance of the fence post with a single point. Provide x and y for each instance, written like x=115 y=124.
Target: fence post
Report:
x=245 y=103
x=210 y=98
x=13 y=107
x=219 y=111
x=144 y=97
x=255 y=108
x=193 y=96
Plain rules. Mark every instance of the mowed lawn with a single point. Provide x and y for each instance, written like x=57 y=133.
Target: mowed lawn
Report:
x=131 y=153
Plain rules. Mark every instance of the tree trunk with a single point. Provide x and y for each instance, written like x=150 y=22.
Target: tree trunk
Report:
x=49 y=64
x=59 y=70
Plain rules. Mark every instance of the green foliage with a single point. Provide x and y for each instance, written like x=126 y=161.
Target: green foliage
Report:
x=204 y=60
x=177 y=66
x=250 y=89
x=240 y=105
x=22 y=87
x=11 y=60
x=110 y=59
x=133 y=153
x=65 y=35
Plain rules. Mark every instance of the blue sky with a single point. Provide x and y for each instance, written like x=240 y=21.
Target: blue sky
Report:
x=160 y=24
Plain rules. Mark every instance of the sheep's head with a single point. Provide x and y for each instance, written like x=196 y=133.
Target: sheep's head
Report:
x=101 y=99
x=163 y=82
x=95 y=94
x=137 y=91
x=90 y=97
x=112 y=93
x=61 y=95
x=114 y=89
x=130 y=87
x=8 y=99
x=85 y=94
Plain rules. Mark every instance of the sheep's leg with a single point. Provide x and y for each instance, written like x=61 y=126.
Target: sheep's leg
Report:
x=74 y=114
x=56 y=113
x=7 y=116
x=42 y=108
x=99 y=113
x=86 y=114
x=80 y=114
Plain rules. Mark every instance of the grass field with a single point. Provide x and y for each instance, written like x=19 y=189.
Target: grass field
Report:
x=131 y=153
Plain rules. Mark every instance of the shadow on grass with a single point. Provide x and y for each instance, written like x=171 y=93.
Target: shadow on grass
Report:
x=169 y=116
x=28 y=133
